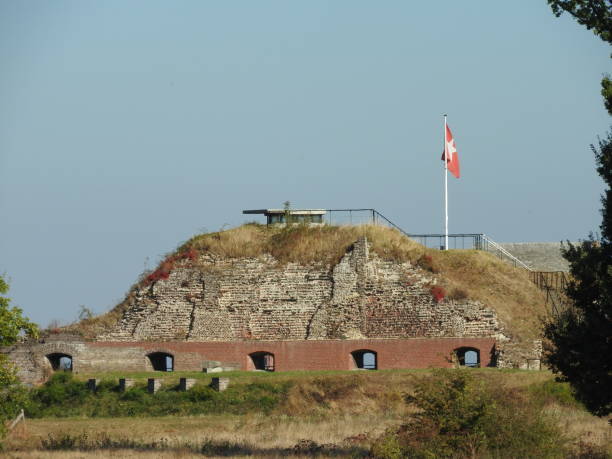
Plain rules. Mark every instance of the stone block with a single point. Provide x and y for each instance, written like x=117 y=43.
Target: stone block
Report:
x=92 y=384
x=533 y=364
x=153 y=385
x=186 y=383
x=125 y=384
x=220 y=384
x=213 y=370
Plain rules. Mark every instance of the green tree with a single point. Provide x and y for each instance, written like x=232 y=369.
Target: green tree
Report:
x=580 y=337
x=12 y=326
x=594 y=14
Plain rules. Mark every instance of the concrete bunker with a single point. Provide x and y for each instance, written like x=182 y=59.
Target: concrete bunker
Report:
x=161 y=361
x=60 y=361
x=261 y=361
x=468 y=356
x=365 y=359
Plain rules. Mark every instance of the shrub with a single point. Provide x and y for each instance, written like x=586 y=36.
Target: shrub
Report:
x=555 y=391
x=438 y=293
x=62 y=396
x=387 y=446
x=166 y=266
x=460 y=416
x=457 y=294
x=427 y=263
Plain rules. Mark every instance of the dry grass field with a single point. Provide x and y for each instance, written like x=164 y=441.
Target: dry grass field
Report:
x=338 y=414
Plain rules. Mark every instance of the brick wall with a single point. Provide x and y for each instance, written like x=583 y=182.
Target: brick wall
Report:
x=288 y=355
x=314 y=355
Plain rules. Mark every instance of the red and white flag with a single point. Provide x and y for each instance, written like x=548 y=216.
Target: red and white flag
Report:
x=450 y=152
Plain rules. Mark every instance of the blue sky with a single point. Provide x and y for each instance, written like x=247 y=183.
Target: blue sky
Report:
x=127 y=127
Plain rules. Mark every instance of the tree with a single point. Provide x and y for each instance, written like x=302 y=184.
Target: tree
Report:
x=12 y=326
x=580 y=337
x=594 y=14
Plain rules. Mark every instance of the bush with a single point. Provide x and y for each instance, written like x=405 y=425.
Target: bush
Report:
x=427 y=263
x=458 y=294
x=555 y=391
x=62 y=396
x=438 y=293
x=460 y=416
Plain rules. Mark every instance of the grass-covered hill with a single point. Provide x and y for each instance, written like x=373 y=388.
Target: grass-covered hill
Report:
x=470 y=274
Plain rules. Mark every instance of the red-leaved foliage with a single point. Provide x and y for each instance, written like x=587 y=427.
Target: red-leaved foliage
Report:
x=164 y=270
x=438 y=293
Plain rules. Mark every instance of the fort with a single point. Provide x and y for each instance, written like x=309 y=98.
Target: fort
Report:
x=305 y=297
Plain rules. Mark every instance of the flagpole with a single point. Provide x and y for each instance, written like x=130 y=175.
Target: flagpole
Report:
x=445 y=189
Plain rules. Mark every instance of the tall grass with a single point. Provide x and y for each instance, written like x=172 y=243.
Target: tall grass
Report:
x=303 y=244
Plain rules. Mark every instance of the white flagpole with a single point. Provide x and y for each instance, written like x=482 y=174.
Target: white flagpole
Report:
x=445 y=189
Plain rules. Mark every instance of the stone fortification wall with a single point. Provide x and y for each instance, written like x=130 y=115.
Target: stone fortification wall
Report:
x=540 y=256
x=258 y=299
x=309 y=317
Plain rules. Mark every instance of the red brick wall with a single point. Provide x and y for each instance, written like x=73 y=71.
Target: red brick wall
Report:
x=317 y=355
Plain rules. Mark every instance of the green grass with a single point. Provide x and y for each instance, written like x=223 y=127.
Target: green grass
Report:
x=63 y=396
x=303 y=392
x=241 y=377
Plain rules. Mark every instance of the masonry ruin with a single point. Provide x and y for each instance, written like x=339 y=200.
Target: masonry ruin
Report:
x=258 y=314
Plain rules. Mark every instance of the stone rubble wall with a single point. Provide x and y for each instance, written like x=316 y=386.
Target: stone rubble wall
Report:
x=259 y=299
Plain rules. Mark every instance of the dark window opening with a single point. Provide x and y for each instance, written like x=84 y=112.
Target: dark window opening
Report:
x=60 y=362
x=262 y=361
x=295 y=218
x=365 y=359
x=468 y=357
x=161 y=361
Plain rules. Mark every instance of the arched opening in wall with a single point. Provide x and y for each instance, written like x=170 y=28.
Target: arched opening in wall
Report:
x=60 y=362
x=365 y=359
x=161 y=361
x=468 y=356
x=262 y=361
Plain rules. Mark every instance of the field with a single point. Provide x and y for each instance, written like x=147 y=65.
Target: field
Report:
x=318 y=414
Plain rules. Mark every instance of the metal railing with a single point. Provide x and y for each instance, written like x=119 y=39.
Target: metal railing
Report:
x=467 y=241
x=554 y=283
x=554 y=280
x=495 y=248
x=474 y=241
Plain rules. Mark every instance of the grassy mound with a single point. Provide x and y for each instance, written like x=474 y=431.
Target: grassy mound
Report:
x=462 y=274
